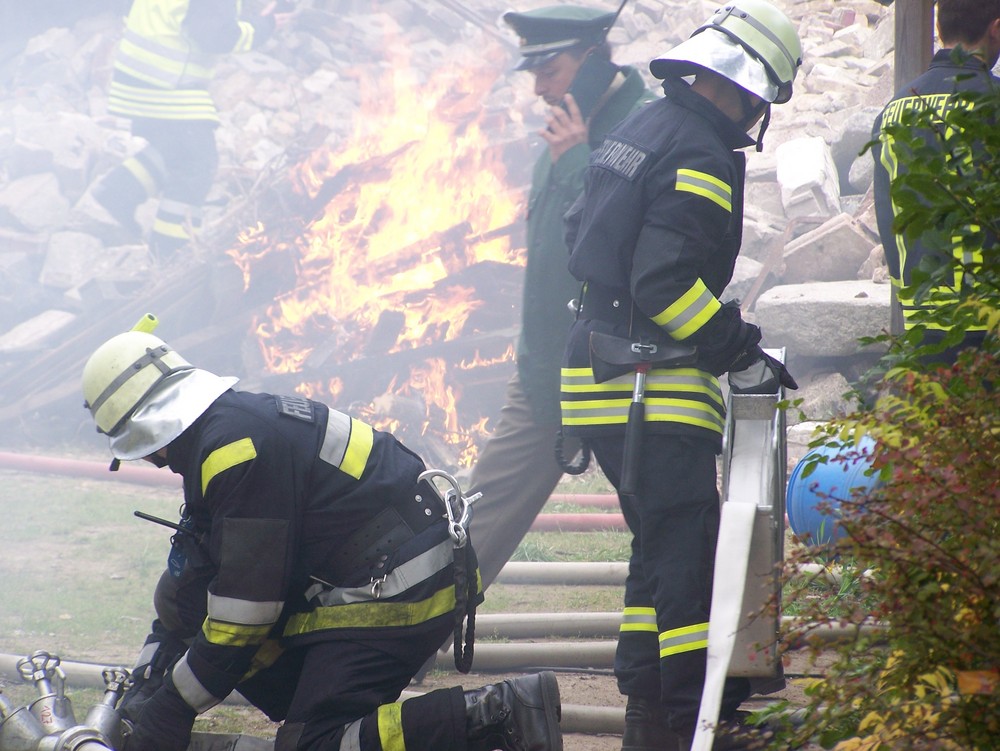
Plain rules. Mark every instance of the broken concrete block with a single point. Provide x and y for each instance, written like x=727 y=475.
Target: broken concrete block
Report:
x=823 y=319
x=833 y=251
x=810 y=185
x=70 y=260
x=33 y=203
x=35 y=333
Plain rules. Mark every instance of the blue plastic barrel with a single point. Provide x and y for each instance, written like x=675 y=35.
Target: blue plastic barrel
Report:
x=827 y=486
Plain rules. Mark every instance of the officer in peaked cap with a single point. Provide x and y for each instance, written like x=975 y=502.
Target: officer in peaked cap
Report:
x=563 y=49
x=545 y=32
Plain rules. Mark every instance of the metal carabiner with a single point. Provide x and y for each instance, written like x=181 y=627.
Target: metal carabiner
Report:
x=457 y=506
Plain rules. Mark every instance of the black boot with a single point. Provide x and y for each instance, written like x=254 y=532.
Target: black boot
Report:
x=520 y=714
x=645 y=729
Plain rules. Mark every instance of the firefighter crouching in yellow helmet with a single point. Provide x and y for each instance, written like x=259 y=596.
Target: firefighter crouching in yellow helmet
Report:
x=316 y=572
x=654 y=239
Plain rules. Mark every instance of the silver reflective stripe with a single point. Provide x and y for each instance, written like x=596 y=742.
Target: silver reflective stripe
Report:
x=685 y=639
x=396 y=582
x=639 y=619
x=352 y=737
x=244 y=612
x=199 y=698
x=338 y=435
x=147 y=654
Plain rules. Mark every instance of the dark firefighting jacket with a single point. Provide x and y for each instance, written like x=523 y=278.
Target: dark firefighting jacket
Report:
x=934 y=89
x=167 y=55
x=548 y=286
x=655 y=239
x=311 y=525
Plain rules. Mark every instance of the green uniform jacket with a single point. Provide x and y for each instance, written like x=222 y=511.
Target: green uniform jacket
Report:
x=548 y=285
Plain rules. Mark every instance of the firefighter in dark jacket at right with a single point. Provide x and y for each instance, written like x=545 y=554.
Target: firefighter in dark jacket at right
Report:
x=970 y=36
x=654 y=239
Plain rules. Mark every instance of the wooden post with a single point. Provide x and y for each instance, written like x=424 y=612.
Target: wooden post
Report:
x=914 y=39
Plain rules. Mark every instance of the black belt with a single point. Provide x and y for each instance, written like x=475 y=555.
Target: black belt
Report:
x=615 y=306
x=386 y=532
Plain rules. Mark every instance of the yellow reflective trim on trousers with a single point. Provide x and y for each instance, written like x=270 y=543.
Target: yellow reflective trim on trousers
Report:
x=639 y=619
x=706 y=186
x=689 y=312
x=372 y=614
x=226 y=457
x=170 y=229
x=227 y=634
x=390 y=727
x=138 y=170
x=684 y=639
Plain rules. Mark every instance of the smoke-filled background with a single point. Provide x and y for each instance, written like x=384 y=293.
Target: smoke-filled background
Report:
x=363 y=242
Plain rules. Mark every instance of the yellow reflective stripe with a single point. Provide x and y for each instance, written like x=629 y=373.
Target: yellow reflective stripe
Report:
x=664 y=399
x=707 y=186
x=683 y=410
x=639 y=619
x=138 y=170
x=347 y=444
x=685 y=639
x=226 y=457
x=390 y=727
x=265 y=656
x=689 y=312
x=169 y=62
x=245 y=42
x=227 y=634
x=166 y=228
x=373 y=614
x=182 y=104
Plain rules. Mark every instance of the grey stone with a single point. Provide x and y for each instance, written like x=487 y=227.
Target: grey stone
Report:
x=823 y=319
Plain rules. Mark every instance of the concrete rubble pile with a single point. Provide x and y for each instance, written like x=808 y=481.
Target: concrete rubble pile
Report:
x=811 y=264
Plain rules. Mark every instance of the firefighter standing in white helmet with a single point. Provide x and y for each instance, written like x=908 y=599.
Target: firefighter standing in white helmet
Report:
x=317 y=570
x=654 y=238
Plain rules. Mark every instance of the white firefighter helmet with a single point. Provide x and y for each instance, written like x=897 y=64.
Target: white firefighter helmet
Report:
x=143 y=394
x=750 y=42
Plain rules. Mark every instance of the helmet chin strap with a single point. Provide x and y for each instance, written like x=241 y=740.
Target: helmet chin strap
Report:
x=753 y=112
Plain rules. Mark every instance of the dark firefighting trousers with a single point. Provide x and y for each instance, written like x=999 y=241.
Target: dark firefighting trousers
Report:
x=341 y=696
x=674 y=520
x=178 y=165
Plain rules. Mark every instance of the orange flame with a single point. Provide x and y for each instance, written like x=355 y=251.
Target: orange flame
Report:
x=416 y=195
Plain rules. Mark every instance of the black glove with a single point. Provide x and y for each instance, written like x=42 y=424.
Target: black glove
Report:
x=731 y=344
x=762 y=376
x=163 y=650
x=163 y=723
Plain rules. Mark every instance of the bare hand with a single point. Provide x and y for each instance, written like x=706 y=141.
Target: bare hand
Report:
x=565 y=129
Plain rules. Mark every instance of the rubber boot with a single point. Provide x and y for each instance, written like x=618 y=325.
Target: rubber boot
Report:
x=520 y=714
x=645 y=729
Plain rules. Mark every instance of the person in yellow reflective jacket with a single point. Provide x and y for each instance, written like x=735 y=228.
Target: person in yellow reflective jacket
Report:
x=315 y=569
x=162 y=70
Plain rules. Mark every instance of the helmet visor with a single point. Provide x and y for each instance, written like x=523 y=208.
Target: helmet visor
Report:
x=168 y=411
x=717 y=52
